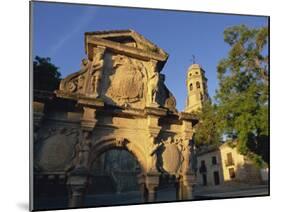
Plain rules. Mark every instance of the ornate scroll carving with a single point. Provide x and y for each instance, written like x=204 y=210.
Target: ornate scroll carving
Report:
x=87 y=80
x=75 y=83
x=121 y=142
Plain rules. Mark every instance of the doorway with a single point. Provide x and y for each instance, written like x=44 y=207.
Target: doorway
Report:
x=114 y=179
x=216 y=178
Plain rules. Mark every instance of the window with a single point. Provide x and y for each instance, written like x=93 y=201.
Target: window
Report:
x=229 y=161
x=197 y=84
x=196 y=72
x=190 y=74
x=214 y=160
x=231 y=173
x=202 y=168
x=190 y=87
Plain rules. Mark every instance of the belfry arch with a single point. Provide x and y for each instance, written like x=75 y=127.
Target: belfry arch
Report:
x=118 y=99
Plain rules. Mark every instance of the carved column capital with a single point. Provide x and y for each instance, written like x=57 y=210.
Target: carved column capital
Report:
x=88 y=121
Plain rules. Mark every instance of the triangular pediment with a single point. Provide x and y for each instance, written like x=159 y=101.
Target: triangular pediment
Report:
x=122 y=68
x=128 y=39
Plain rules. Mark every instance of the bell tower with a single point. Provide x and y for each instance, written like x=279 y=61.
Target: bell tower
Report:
x=196 y=83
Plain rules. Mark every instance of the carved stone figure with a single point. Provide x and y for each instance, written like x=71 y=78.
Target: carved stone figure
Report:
x=84 y=64
x=80 y=83
x=153 y=86
x=121 y=142
x=84 y=147
x=96 y=70
x=154 y=147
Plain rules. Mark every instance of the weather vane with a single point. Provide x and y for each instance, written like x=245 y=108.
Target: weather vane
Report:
x=193 y=59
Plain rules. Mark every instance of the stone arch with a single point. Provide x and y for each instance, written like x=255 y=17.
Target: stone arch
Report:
x=190 y=87
x=198 y=84
x=110 y=143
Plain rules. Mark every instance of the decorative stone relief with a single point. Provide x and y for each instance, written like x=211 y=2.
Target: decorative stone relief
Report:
x=75 y=83
x=121 y=142
x=56 y=149
x=127 y=83
x=83 y=148
x=166 y=98
x=177 y=149
x=96 y=71
x=153 y=149
x=153 y=85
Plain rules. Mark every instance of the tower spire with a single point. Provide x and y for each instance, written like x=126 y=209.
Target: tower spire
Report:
x=196 y=87
x=193 y=59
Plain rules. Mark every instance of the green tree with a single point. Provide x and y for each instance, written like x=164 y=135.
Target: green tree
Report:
x=45 y=74
x=207 y=130
x=242 y=96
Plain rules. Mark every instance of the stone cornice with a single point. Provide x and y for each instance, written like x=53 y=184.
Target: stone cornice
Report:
x=123 y=49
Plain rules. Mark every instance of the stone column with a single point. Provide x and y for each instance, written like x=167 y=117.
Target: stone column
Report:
x=77 y=183
x=187 y=183
x=179 y=190
x=144 y=193
x=152 y=182
x=79 y=176
x=142 y=187
x=151 y=193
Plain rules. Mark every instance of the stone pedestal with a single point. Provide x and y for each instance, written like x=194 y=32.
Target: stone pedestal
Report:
x=185 y=187
x=152 y=182
x=77 y=183
x=148 y=186
x=142 y=187
x=151 y=193
x=76 y=198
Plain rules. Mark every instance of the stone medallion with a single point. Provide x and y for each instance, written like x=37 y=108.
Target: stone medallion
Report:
x=56 y=152
x=171 y=158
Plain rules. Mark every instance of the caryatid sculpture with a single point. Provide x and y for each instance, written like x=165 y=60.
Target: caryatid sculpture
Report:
x=153 y=85
x=153 y=149
x=84 y=147
x=96 y=70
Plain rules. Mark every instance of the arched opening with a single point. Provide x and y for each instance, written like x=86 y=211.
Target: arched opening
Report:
x=114 y=178
x=190 y=87
x=197 y=84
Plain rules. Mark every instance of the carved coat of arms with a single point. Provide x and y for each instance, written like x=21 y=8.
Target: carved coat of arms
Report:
x=126 y=84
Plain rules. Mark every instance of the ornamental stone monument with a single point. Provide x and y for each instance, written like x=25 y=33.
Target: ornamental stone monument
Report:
x=117 y=100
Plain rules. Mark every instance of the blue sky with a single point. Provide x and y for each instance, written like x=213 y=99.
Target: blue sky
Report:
x=58 y=33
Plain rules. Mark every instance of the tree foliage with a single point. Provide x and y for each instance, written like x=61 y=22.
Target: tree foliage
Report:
x=45 y=74
x=242 y=96
x=207 y=130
